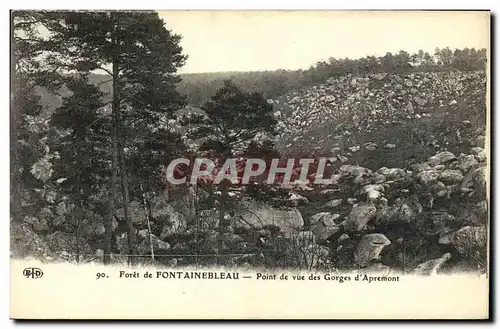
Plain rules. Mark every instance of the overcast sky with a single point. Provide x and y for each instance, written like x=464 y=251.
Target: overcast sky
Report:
x=267 y=40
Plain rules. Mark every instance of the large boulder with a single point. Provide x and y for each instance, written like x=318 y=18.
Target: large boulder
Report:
x=257 y=215
x=322 y=216
x=392 y=173
x=476 y=179
x=465 y=162
x=468 y=241
x=441 y=158
x=174 y=223
x=350 y=170
x=479 y=153
x=403 y=211
x=428 y=177
x=136 y=211
x=431 y=267
x=369 y=248
x=324 y=229
x=158 y=245
x=372 y=192
x=451 y=176
x=333 y=203
x=359 y=216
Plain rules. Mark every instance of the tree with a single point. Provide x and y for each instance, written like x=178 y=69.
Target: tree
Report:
x=232 y=119
x=80 y=135
x=141 y=57
x=31 y=69
x=402 y=61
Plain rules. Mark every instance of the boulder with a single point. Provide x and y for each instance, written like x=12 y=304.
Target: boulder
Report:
x=175 y=223
x=323 y=216
x=258 y=215
x=421 y=167
x=369 y=248
x=479 y=153
x=431 y=267
x=352 y=201
x=465 y=162
x=468 y=240
x=451 y=176
x=350 y=170
x=359 y=216
x=441 y=158
x=403 y=211
x=297 y=199
x=378 y=179
x=333 y=203
x=392 y=173
x=324 y=229
x=158 y=245
x=362 y=179
x=481 y=210
x=372 y=192
x=428 y=177
x=136 y=211
x=46 y=214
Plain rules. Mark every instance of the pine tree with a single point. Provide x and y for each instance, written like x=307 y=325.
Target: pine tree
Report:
x=233 y=119
x=141 y=58
x=31 y=69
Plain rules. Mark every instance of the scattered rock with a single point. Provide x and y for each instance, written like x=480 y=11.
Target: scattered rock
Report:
x=359 y=216
x=431 y=267
x=333 y=203
x=469 y=239
x=428 y=176
x=369 y=248
x=323 y=216
x=253 y=214
x=441 y=158
x=451 y=176
x=465 y=162
x=136 y=212
x=324 y=229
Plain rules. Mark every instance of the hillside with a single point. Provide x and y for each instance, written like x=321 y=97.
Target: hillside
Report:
x=389 y=119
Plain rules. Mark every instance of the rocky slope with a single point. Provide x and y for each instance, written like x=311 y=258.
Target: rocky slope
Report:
x=375 y=118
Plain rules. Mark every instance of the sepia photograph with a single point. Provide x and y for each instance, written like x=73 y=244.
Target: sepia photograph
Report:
x=152 y=152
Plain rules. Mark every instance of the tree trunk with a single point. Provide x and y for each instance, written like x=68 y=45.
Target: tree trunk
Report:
x=123 y=168
x=126 y=200
x=114 y=169
x=15 y=182
x=146 y=212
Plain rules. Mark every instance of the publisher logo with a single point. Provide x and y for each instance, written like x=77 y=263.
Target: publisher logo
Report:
x=33 y=273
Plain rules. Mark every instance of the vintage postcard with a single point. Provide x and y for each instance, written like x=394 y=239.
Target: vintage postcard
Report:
x=250 y=164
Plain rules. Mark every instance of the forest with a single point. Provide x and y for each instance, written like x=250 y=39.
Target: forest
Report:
x=99 y=109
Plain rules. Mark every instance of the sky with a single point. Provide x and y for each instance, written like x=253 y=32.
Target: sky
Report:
x=218 y=41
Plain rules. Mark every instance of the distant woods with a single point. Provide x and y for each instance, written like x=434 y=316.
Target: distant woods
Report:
x=199 y=87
